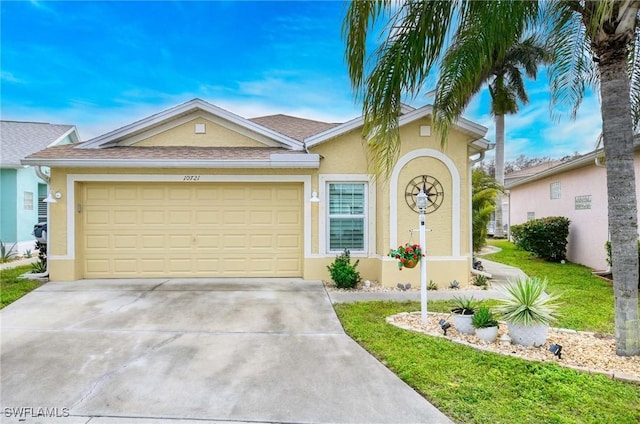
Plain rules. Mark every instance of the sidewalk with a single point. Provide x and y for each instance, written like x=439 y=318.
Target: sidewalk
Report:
x=19 y=262
x=500 y=274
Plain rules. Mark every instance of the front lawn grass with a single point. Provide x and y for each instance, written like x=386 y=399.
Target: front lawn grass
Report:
x=13 y=288
x=472 y=386
x=587 y=300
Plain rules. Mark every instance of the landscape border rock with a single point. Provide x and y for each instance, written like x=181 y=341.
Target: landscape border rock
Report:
x=583 y=351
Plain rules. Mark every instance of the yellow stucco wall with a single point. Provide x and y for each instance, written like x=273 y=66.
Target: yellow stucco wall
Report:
x=345 y=155
x=216 y=135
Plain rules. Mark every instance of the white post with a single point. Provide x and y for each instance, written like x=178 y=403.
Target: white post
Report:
x=423 y=268
x=421 y=202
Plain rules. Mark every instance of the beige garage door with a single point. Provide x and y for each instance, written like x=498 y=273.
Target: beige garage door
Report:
x=191 y=230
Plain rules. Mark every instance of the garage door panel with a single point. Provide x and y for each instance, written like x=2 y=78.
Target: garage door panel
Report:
x=180 y=217
x=207 y=217
x=96 y=217
x=179 y=193
x=192 y=230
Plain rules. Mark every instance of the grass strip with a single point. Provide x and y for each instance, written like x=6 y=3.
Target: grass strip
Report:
x=12 y=287
x=587 y=300
x=471 y=386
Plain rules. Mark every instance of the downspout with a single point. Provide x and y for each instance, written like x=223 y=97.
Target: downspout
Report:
x=472 y=162
x=46 y=178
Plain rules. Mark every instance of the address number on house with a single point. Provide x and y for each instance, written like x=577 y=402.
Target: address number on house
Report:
x=191 y=178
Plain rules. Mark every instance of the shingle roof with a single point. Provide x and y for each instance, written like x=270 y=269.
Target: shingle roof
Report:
x=20 y=139
x=159 y=153
x=296 y=128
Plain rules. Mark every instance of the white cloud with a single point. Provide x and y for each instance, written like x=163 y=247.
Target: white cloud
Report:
x=9 y=77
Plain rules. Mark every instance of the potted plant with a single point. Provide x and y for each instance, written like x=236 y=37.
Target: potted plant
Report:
x=485 y=324
x=462 y=313
x=528 y=311
x=408 y=255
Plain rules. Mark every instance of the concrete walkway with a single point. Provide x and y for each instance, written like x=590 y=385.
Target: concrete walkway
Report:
x=185 y=351
x=500 y=274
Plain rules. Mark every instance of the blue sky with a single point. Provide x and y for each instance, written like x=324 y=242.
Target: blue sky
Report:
x=102 y=65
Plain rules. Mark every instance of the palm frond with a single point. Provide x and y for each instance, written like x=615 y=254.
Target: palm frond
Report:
x=573 y=69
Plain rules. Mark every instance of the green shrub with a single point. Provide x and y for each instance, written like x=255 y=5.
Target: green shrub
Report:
x=545 y=237
x=432 y=285
x=343 y=273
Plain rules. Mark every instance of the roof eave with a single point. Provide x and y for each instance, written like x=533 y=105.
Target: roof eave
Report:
x=580 y=162
x=184 y=109
x=276 y=161
x=462 y=124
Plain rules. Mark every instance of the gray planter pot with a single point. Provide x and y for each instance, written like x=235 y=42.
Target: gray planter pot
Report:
x=528 y=335
x=487 y=335
x=463 y=323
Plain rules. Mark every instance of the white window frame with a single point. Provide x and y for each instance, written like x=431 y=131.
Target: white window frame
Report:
x=369 y=213
x=555 y=190
x=27 y=201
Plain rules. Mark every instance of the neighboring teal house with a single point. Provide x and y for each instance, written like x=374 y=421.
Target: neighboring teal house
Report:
x=21 y=190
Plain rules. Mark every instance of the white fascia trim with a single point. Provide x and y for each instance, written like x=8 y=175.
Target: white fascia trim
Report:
x=187 y=107
x=334 y=132
x=455 y=196
x=72 y=179
x=274 y=163
x=62 y=137
x=482 y=144
x=586 y=160
x=462 y=123
x=323 y=179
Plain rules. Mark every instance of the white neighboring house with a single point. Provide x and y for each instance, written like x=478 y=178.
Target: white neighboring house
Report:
x=576 y=189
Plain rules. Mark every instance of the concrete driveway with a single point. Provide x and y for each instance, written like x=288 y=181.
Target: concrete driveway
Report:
x=155 y=351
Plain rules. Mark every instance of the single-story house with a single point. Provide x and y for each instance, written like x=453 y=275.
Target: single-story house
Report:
x=22 y=191
x=198 y=191
x=576 y=189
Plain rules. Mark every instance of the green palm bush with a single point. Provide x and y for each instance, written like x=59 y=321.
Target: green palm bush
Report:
x=527 y=303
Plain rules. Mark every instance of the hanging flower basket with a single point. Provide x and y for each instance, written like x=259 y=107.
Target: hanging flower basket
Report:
x=408 y=255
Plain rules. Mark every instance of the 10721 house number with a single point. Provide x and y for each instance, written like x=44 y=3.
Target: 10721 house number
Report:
x=191 y=178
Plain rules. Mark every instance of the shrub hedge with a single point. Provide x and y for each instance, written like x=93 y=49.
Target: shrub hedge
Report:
x=545 y=237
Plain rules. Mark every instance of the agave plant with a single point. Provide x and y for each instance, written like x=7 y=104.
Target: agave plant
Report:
x=526 y=302
x=7 y=252
x=483 y=318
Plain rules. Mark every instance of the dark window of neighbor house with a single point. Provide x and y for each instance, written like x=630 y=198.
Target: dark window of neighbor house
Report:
x=531 y=215
x=555 y=190
x=347 y=206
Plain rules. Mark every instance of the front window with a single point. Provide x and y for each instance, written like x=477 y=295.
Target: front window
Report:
x=347 y=216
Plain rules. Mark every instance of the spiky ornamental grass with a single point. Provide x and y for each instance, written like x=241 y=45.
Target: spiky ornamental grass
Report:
x=527 y=303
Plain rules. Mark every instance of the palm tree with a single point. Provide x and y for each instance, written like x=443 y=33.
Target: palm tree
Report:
x=461 y=79
x=592 y=42
x=485 y=190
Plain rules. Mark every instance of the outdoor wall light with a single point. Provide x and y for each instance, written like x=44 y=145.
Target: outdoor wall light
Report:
x=421 y=200
x=51 y=198
x=314 y=197
x=444 y=325
x=556 y=349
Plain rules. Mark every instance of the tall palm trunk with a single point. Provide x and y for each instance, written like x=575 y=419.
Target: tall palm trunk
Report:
x=617 y=132
x=499 y=117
